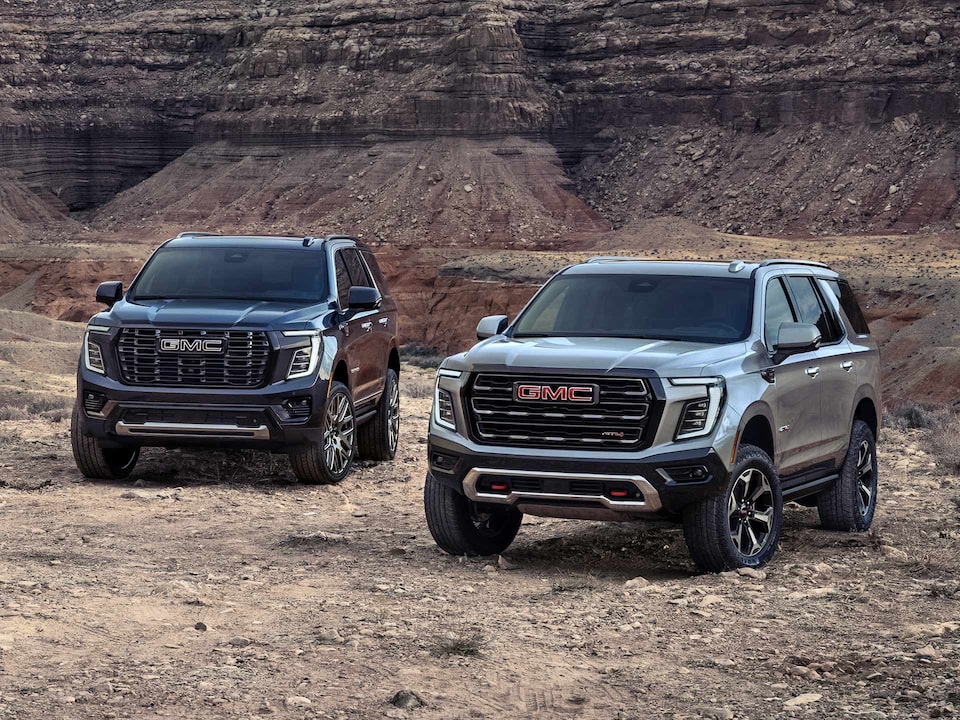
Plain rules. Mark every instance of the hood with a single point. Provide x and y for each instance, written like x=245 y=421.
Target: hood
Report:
x=211 y=313
x=604 y=355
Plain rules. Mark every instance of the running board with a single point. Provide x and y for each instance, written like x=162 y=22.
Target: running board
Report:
x=809 y=487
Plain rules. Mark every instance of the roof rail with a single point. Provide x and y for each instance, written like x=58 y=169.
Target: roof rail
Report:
x=614 y=258
x=196 y=233
x=783 y=261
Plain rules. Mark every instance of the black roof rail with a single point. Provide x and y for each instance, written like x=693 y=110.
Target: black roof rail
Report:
x=786 y=261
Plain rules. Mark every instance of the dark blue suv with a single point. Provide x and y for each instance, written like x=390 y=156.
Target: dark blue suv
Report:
x=277 y=343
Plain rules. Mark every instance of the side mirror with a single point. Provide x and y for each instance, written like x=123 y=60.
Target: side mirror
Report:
x=794 y=338
x=109 y=293
x=364 y=298
x=492 y=325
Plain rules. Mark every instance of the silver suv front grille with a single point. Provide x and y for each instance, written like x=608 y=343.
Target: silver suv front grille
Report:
x=241 y=361
x=617 y=420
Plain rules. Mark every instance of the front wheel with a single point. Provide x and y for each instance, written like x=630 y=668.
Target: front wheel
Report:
x=463 y=527
x=741 y=527
x=329 y=461
x=96 y=462
x=850 y=503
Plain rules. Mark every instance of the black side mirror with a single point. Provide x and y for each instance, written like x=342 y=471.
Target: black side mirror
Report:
x=109 y=293
x=364 y=298
x=795 y=338
x=492 y=325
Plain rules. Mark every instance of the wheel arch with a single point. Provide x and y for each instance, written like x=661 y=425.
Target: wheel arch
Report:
x=865 y=408
x=393 y=361
x=756 y=428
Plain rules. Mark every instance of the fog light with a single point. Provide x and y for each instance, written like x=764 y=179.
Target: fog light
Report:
x=687 y=474
x=298 y=408
x=93 y=402
x=446 y=463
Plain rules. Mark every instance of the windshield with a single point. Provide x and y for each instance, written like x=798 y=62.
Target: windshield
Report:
x=230 y=273
x=654 y=307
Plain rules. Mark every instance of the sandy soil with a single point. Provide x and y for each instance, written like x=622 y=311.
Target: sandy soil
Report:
x=212 y=585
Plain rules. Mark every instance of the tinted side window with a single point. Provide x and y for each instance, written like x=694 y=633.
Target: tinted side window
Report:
x=358 y=273
x=375 y=269
x=812 y=309
x=851 y=308
x=778 y=311
x=343 y=280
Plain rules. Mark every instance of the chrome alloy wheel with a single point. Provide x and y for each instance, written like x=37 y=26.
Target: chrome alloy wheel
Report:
x=866 y=477
x=338 y=432
x=393 y=421
x=750 y=512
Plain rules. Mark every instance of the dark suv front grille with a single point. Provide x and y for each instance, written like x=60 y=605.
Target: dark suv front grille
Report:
x=617 y=420
x=241 y=362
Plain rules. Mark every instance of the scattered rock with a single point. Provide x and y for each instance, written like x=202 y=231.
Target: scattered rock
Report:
x=932 y=39
x=636 y=582
x=329 y=635
x=240 y=641
x=202 y=627
x=297 y=701
x=752 y=573
x=715 y=713
x=804 y=699
x=846 y=7
x=468 y=188
x=407 y=700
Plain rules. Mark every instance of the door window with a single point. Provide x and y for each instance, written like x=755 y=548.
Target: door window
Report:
x=851 y=308
x=359 y=277
x=778 y=311
x=813 y=310
x=343 y=280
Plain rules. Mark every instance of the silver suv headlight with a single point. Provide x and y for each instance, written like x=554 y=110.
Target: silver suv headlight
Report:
x=443 y=413
x=92 y=351
x=699 y=415
x=304 y=361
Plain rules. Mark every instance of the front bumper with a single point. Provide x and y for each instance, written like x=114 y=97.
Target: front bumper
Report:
x=137 y=416
x=584 y=487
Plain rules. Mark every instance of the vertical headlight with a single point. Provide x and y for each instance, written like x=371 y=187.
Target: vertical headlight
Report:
x=699 y=416
x=304 y=361
x=443 y=413
x=92 y=351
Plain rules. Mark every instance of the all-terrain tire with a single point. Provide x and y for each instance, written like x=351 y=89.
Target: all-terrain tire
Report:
x=717 y=529
x=849 y=504
x=329 y=460
x=377 y=439
x=94 y=461
x=462 y=527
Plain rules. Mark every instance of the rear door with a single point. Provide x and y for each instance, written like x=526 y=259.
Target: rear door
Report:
x=798 y=387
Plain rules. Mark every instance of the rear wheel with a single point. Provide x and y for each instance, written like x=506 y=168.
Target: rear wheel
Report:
x=462 y=527
x=377 y=439
x=329 y=460
x=851 y=502
x=741 y=527
x=94 y=461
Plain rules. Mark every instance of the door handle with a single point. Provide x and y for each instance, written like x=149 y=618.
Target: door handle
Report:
x=367 y=325
x=847 y=365
x=344 y=328
x=384 y=321
x=813 y=371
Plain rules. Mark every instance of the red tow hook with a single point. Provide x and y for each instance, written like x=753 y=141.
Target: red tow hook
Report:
x=619 y=493
x=499 y=487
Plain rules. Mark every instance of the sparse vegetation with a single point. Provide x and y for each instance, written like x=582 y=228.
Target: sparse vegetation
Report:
x=417 y=387
x=914 y=416
x=945 y=443
x=574 y=584
x=421 y=356
x=18 y=405
x=468 y=643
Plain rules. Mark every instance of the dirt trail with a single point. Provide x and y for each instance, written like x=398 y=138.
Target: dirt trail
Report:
x=212 y=585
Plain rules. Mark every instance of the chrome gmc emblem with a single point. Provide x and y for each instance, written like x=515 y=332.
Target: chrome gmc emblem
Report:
x=529 y=392
x=191 y=345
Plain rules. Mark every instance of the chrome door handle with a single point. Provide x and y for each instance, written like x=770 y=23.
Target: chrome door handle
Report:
x=384 y=321
x=367 y=325
x=847 y=365
x=813 y=371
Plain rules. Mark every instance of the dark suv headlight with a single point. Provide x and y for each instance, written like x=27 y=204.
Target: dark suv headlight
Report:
x=305 y=359
x=93 y=351
x=699 y=415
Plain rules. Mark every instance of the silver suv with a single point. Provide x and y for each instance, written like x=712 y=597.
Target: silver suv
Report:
x=710 y=393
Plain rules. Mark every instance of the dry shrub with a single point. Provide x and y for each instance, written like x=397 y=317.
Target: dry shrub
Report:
x=416 y=387
x=914 y=416
x=945 y=443
x=421 y=356
x=466 y=644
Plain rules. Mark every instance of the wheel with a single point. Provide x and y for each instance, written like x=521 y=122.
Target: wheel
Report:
x=95 y=462
x=850 y=503
x=377 y=439
x=329 y=461
x=741 y=527
x=462 y=527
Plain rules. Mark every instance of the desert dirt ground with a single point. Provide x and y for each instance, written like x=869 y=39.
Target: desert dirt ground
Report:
x=211 y=584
